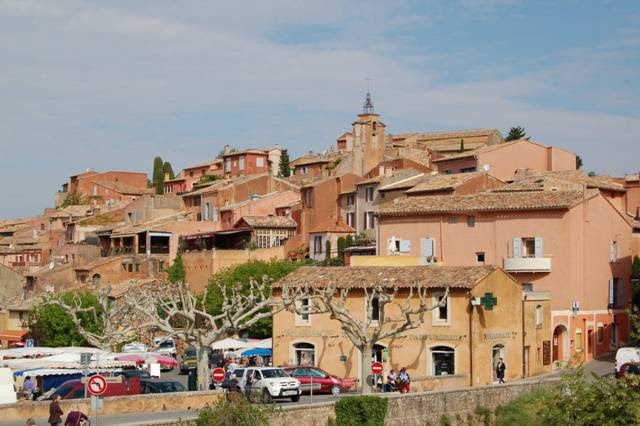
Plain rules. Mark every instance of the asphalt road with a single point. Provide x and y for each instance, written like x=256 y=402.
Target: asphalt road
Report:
x=601 y=367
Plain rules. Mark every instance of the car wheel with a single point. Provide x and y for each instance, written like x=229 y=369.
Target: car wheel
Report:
x=266 y=397
x=295 y=398
x=335 y=390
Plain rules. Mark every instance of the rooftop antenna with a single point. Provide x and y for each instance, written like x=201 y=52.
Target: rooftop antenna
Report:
x=368 y=103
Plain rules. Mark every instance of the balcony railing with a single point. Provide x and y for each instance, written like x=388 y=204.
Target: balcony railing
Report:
x=527 y=264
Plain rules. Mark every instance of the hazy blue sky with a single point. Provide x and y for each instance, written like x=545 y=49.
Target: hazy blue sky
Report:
x=111 y=84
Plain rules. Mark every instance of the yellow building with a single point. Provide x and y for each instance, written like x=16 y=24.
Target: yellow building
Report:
x=486 y=316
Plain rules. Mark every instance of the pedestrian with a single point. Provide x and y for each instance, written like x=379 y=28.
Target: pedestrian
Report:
x=500 y=367
x=28 y=387
x=391 y=381
x=76 y=418
x=404 y=381
x=55 y=412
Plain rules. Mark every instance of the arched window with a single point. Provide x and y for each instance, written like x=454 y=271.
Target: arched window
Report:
x=442 y=361
x=304 y=354
x=96 y=280
x=539 y=316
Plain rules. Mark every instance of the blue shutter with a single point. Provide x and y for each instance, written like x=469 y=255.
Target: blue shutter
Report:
x=539 y=247
x=517 y=247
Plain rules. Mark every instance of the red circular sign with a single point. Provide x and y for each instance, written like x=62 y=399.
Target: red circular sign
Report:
x=97 y=385
x=376 y=368
x=217 y=375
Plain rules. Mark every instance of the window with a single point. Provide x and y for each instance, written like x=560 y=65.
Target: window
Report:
x=468 y=170
x=216 y=215
x=304 y=354
x=137 y=267
x=227 y=165
x=260 y=162
x=453 y=219
x=528 y=247
x=308 y=198
x=351 y=219
x=206 y=215
x=302 y=317
x=480 y=257
x=427 y=248
x=539 y=316
x=527 y=286
x=614 y=333
x=161 y=266
x=442 y=361
x=130 y=267
x=471 y=221
x=441 y=313
x=368 y=193
x=616 y=293
x=375 y=308
x=600 y=334
x=304 y=170
x=317 y=244
x=369 y=220
x=241 y=164
x=350 y=200
x=614 y=251
x=578 y=339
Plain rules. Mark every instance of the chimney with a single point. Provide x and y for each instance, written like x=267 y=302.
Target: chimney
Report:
x=226 y=149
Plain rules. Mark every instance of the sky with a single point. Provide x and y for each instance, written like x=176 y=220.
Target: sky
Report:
x=109 y=85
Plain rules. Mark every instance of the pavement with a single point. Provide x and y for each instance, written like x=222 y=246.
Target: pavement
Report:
x=602 y=367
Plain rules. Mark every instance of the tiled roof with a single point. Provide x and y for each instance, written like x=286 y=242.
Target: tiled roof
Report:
x=475 y=152
x=448 y=134
x=486 y=201
x=269 y=221
x=635 y=177
x=442 y=182
x=289 y=204
x=401 y=181
x=529 y=180
x=303 y=161
x=332 y=226
x=247 y=151
x=375 y=179
x=465 y=277
x=77 y=211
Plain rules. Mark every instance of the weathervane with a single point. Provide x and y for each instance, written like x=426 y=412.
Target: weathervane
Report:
x=368 y=103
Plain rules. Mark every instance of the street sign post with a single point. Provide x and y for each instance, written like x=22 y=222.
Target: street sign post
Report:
x=217 y=375
x=376 y=368
x=28 y=343
x=97 y=385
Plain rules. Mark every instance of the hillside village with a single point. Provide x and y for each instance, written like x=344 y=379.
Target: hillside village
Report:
x=543 y=249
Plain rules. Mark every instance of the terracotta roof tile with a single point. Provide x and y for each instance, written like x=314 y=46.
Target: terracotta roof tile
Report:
x=634 y=177
x=485 y=201
x=269 y=221
x=531 y=180
x=443 y=182
x=331 y=225
x=402 y=181
x=389 y=276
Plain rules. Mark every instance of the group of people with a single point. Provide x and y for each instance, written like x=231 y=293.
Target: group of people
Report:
x=398 y=382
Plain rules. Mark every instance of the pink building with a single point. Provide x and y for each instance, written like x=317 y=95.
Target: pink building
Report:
x=104 y=187
x=189 y=176
x=257 y=205
x=502 y=160
x=575 y=244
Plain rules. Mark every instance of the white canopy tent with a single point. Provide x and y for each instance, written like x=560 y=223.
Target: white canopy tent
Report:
x=229 y=343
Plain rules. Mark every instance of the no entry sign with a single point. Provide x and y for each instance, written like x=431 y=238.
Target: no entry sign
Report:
x=217 y=375
x=376 y=368
x=97 y=385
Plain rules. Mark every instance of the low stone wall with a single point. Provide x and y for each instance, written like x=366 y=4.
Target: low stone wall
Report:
x=182 y=401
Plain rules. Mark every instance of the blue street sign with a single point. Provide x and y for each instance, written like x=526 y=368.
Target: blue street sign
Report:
x=29 y=343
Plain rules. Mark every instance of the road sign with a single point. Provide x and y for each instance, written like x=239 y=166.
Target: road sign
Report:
x=376 y=368
x=28 y=343
x=97 y=385
x=217 y=375
x=96 y=404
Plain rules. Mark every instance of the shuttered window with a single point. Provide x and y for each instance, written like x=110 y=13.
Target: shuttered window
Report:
x=517 y=247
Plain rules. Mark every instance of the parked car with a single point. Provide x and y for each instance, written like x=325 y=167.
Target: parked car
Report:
x=74 y=389
x=625 y=355
x=629 y=368
x=128 y=374
x=238 y=372
x=323 y=382
x=189 y=360
x=160 y=386
x=270 y=383
x=165 y=346
x=134 y=347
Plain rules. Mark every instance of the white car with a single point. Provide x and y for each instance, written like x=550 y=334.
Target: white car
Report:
x=134 y=347
x=270 y=383
x=624 y=355
x=165 y=346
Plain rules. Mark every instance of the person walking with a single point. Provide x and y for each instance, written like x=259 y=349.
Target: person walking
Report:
x=76 y=418
x=55 y=412
x=500 y=367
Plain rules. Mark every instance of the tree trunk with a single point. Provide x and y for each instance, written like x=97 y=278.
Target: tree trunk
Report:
x=365 y=369
x=203 y=367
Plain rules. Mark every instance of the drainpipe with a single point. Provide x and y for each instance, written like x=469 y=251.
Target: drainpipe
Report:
x=524 y=368
x=471 y=343
x=377 y=234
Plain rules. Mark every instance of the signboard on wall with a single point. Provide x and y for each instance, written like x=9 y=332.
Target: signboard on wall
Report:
x=546 y=352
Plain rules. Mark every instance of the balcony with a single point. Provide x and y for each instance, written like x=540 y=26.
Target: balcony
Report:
x=527 y=264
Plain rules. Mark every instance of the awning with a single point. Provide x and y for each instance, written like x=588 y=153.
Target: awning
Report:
x=198 y=236
x=234 y=231
x=13 y=335
x=160 y=234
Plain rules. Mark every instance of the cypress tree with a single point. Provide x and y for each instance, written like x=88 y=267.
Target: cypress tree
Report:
x=285 y=170
x=166 y=168
x=158 y=178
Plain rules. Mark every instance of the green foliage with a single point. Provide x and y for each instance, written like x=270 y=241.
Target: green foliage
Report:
x=73 y=198
x=461 y=145
x=285 y=167
x=327 y=250
x=635 y=267
x=349 y=240
x=208 y=178
x=158 y=178
x=274 y=269
x=591 y=173
x=523 y=410
x=578 y=162
x=51 y=325
x=166 y=168
x=515 y=133
x=361 y=239
x=334 y=261
x=176 y=271
x=361 y=411
x=233 y=413
x=445 y=421
x=342 y=244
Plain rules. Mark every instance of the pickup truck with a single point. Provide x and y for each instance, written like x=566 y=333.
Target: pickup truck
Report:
x=270 y=383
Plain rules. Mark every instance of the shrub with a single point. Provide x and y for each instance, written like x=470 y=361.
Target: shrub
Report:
x=361 y=411
x=523 y=410
x=341 y=246
x=327 y=250
x=238 y=412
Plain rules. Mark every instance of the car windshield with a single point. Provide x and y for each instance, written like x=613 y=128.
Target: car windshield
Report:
x=136 y=373
x=274 y=372
x=190 y=353
x=166 y=345
x=634 y=369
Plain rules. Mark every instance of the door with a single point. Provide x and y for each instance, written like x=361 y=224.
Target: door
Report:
x=590 y=342
x=497 y=352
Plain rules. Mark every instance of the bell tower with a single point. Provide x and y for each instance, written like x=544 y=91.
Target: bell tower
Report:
x=368 y=139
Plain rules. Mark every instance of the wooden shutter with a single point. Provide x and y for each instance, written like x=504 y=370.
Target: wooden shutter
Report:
x=517 y=247
x=539 y=247
x=426 y=247
x=405 y=246
x=612 y=251
x=611 y=292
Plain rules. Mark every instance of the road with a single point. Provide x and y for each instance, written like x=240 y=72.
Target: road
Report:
x=600 y=367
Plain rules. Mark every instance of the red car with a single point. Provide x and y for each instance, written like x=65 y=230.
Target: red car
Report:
x=323 y=382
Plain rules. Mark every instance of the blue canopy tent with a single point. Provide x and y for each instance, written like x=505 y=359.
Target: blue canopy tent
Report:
x=257 y=352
